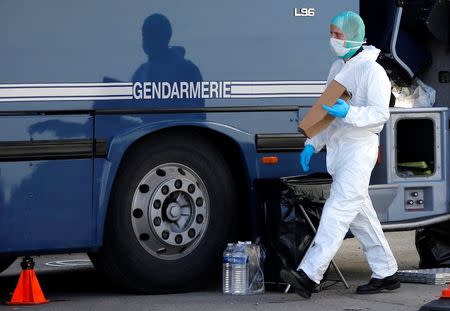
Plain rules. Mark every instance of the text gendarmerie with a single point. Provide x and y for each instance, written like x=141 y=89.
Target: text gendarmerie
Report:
x=174 y=90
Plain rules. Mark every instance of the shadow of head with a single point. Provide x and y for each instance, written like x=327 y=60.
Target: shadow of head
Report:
x=156 y=34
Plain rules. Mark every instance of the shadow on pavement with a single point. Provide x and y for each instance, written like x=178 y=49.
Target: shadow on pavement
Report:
x=86 y=281
x=73 y=282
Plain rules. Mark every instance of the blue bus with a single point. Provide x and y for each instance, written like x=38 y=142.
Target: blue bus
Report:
x=135 y=130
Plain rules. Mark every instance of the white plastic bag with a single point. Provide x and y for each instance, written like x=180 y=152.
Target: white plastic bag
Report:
x=426 y=95
x=419 y=95
x=256 y=268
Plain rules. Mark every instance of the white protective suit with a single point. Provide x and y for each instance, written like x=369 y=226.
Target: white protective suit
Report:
x=352 y=150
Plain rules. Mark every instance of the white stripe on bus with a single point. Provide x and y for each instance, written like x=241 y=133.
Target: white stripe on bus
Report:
x=65 y=91
x=66 y=84
x=277 y=89
x=23 y=99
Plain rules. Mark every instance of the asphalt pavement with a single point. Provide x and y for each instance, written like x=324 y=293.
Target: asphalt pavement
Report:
x=71 y=283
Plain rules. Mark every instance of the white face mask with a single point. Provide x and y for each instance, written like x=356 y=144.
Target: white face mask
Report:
x=337 y=45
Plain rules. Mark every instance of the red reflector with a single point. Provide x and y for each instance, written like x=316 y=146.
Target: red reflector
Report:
x=269 y=160
x=379 y=156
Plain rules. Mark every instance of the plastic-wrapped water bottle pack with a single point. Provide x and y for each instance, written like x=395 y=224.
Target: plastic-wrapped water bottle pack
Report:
x=243 y=264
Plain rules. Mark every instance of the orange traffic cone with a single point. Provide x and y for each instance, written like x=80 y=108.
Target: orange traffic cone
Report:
x=445 y=292
x=28 y=291
x=443 y=303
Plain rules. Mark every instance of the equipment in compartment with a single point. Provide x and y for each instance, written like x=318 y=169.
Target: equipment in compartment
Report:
x=415 y=148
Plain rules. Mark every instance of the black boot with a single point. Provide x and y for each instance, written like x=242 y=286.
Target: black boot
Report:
x=377 y=285
x=303 y=286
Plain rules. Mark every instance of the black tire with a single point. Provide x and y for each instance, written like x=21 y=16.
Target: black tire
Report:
x=132 y=267
x=5 y=262
x=433 y=246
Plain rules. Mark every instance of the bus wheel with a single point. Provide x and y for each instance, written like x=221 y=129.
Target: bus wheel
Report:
x=171 y=213
x=5 y=262
x=433 y=246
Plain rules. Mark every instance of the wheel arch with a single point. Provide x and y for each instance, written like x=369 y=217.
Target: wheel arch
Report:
x=235 y=145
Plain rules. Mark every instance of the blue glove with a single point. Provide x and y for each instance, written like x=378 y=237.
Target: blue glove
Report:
x=305 y=157
x=338 y=110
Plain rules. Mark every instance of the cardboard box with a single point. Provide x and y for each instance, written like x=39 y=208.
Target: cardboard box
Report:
x=317 y=119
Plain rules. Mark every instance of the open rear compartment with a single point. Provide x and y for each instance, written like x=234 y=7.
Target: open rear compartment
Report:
x=410 y=180
x=413 y=37
x=415 y=147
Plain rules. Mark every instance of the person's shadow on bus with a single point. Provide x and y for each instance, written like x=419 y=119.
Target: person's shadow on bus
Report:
x=165 y=63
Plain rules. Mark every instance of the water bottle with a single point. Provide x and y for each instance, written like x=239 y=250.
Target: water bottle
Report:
x=226 y=268
x=239 y=270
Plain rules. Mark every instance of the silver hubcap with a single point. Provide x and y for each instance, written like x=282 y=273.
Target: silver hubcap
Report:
x=170 y=211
